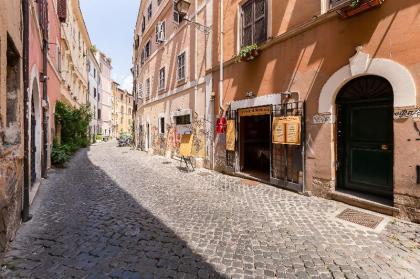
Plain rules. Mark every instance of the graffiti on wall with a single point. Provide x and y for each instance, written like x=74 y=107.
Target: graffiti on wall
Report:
x=406 y=113
x=323 y=119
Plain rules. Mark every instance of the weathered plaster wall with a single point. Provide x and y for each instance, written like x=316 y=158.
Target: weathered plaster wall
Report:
x=11 y=154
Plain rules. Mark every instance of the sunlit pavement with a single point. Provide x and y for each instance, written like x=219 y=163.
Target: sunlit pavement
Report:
x=115 y=212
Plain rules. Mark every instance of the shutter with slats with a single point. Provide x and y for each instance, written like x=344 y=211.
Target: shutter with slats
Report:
x=62 y=10
x=260 y=30
x=247 y=22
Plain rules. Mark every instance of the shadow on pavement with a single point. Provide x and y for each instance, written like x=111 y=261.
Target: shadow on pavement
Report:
x=86 y=226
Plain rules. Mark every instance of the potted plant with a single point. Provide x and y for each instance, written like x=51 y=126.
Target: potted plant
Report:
x=359 y=6
x=247 y=53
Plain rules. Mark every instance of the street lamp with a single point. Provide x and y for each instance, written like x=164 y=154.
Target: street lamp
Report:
x=182 y=7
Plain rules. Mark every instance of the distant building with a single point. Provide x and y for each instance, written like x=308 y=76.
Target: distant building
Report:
x=105 y=93
x=172 y=88
x=75 y=45
x=122 y=116
x=94 y=99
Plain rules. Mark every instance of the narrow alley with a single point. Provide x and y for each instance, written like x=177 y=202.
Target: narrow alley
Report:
x=118 y=213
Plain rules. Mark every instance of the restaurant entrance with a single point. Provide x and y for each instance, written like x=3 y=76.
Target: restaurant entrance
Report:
x=255 y=146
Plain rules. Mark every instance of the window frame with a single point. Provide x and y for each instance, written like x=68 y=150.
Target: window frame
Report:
x=162 y=85
x=161 y=125
x=148 y=88
x=178 y=67
x=254 y=20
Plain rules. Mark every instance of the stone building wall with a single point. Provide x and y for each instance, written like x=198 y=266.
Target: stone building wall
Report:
x=11 y=120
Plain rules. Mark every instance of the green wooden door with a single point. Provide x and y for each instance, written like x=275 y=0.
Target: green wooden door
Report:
x=365 y=139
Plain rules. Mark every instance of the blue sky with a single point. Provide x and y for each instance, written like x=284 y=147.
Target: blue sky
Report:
x=111 y=26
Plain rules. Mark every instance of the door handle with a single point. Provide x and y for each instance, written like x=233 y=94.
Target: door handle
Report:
x=384 y=147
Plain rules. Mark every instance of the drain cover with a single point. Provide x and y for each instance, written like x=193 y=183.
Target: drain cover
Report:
x=360 y=218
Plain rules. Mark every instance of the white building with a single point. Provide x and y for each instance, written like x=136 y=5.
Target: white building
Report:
x=94 y=84
x=105 y=95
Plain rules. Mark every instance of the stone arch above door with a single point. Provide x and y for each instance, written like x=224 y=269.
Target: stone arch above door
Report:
x=402 y=82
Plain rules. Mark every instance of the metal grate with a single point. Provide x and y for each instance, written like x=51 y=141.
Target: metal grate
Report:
x=360 y=218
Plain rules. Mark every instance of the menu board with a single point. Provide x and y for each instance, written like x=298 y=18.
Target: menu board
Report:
x=186 y=145
x=279 y=130
x=230 y=135
x=287 y=130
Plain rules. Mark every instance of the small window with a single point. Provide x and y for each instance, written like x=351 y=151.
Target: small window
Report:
x=99 y=114
x=158 y=2
x=149 y=11
x=254 y=22
x=183 y=120
x=148 y=88
x=94 y=92
x=180 y=67
x=162 y=79
x=161 y=125
x=143 y=24
x=160 y=32
x=147 y=50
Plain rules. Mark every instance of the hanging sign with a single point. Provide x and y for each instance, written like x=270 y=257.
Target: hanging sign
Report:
x=230 y=135
x=221 y=125
x=279 y=130
x=186 y=145
x=255 y=111
x=287 y=130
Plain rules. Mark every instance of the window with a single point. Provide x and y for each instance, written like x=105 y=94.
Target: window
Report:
x=143 y=25
x=158 y=2
x=147 y=50
x=180 y=67
x=12 y=135
x=254 y=22
x=122 y=109
x=160 y=32
x=148 y=88
x=94 y=92
x=99 y=114
x=161 y=125
x=149 y=11
x=162 y=79
x=129 y=111
x=183 y=119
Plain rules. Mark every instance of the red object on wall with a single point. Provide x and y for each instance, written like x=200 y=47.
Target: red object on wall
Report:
x=221 y=125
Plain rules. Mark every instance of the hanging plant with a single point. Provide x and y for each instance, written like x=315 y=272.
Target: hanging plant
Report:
x=355 y=3
x=247 y=53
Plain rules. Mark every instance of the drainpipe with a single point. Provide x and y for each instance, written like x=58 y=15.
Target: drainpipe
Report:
x=221 y=58
x=45 y=105
x=26 y=179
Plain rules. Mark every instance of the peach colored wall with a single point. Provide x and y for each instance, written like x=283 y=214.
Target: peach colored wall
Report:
x=304 y=62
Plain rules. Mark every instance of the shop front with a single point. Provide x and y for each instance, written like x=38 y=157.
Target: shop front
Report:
x=264 y=140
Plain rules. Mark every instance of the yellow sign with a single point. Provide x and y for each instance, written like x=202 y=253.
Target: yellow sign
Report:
x=186 y=145
x=255 y=111
x=279 y=130
x=230 y=135
x=287 y=130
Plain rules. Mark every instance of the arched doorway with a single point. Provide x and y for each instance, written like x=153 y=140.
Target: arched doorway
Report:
x=365 y=136
x=35 y=135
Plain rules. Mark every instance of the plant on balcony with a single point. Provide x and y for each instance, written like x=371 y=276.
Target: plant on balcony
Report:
x=354 y=3
x=247 y=53
x=358 y=6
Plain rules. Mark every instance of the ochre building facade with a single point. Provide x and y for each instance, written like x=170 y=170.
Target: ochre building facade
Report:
x=343 y=79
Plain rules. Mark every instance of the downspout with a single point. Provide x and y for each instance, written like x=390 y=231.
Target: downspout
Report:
x=221 y=59
x=26 y=179
x=45 y=105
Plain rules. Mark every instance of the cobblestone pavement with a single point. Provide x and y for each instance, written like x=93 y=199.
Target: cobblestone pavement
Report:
x=118 y=213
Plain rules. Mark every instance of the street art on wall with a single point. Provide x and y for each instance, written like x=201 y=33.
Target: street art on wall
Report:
x=407 y=113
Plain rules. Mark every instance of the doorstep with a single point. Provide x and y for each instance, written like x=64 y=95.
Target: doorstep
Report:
x=362 y=202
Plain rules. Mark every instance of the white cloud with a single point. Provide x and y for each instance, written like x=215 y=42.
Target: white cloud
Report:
x=125 y=82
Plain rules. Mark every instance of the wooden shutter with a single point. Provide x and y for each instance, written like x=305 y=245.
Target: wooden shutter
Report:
x=43 y=18
x=62 y=10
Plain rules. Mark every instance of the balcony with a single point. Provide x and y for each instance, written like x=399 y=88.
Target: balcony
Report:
x=348 y=8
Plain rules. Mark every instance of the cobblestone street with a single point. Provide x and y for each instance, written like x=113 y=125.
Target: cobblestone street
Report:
x=118 y=213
